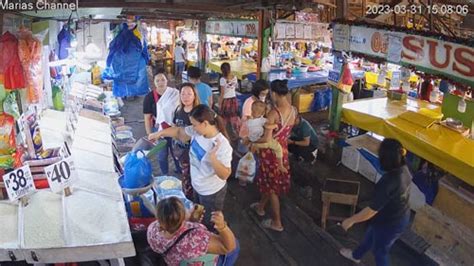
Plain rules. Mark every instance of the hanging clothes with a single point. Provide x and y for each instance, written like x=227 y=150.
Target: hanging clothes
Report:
x=126 y=64
x=64 y=41
x=10 y=65
x=30 y=53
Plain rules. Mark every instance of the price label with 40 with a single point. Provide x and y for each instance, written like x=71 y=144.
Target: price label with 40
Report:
x=61 y=174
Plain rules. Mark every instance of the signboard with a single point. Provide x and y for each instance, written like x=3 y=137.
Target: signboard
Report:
x=242 y=28
x=61 y=174
x=306 y=17
x=429 y=54
x=340 y=37
x=19 y=183
x=290 y=30
x=333 y=77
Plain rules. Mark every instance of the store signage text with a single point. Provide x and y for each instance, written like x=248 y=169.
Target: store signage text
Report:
x=452 y=59
x=24 y=5
x=233 y=28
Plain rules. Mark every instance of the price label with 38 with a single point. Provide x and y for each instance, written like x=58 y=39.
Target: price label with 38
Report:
x=61 y=174
x=19 y=183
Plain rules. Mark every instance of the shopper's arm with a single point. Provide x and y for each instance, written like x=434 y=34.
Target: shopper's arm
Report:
x=210 y=100
x=304 y=143
x=362 y=216
x=173 y=132
x=224 y=242
x=222 y=171
x=148 y=126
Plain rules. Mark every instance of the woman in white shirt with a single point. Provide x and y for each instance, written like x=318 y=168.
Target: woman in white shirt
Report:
x=210 y=156
x=229 y=108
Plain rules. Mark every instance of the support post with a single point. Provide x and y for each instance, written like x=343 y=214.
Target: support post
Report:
x=335 y=111
x=202 y=45
x=261 y=15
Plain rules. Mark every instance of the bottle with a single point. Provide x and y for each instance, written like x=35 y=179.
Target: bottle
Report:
x=462 y=105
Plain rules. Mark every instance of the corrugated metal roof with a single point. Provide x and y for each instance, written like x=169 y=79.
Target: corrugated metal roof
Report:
x=102 y=13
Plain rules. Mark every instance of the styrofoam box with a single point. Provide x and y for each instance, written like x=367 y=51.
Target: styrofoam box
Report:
x=367 y=170
x=350 y=158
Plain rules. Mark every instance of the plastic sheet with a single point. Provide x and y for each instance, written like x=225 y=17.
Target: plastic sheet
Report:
x=10 y=65
x=170 y=186
x=126 y=64
x=30 y=53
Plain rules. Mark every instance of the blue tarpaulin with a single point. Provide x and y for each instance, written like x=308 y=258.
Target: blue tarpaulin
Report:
x=126 y=64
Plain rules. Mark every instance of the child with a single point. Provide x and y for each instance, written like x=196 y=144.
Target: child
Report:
x=255 y=128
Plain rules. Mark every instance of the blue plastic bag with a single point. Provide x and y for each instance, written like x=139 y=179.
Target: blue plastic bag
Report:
x=138 y=171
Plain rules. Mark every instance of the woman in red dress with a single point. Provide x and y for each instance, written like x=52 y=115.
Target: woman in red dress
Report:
x=271 y=181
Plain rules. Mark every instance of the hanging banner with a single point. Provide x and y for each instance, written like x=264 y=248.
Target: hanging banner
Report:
x=299 y=31
x=430 y=55
x=242 y=28
x=290 y=30
x=340 y=36
x=306 y=17
x=394 y=53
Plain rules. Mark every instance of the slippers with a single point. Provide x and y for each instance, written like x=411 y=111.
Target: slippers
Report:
x=254 y=207
x=268 y=225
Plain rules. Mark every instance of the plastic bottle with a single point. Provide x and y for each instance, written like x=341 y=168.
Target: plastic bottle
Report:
x=462 y=105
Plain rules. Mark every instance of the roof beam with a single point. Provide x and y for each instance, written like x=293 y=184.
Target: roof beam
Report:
x=158 y=5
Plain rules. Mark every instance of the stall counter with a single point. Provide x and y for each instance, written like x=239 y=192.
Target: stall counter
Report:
x=436 y=143
x=239 y=68
x=307 y=78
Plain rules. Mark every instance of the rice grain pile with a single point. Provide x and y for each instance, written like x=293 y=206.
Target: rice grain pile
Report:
x=43 y=225
x=8 y=225
x=93 y=219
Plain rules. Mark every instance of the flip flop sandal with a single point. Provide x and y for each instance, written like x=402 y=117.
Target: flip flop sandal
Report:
x=268 y=225
x=254 y=206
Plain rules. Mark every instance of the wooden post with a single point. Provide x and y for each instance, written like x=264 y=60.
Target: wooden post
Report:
x=202 y=45
x=335 y=111
x=364 y=6
x=260 y=41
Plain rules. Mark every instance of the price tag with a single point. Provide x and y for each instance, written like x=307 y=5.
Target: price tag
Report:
x=64 y=151
x=61 y=174
x=19 y=183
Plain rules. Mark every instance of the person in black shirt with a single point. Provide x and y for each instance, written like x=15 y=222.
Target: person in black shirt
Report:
x=389 y=212
x=188 y=100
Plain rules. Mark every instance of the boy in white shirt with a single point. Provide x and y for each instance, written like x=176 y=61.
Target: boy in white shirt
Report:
x=254 y=128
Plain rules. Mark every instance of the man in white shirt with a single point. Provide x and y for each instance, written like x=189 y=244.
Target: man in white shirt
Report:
x=179 y=60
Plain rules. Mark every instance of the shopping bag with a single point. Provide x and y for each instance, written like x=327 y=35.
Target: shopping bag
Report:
x=138 y=171
x=247 y=167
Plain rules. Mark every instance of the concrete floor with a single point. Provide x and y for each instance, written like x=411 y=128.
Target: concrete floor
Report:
x=303 y=242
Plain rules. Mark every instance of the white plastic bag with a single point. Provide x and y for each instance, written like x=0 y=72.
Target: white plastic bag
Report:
x=246 y=168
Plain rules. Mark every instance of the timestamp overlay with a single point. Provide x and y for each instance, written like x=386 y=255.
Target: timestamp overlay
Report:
x=418 y=9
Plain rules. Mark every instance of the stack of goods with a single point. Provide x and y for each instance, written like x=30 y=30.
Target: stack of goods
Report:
x=123 y=138
x=36 y=156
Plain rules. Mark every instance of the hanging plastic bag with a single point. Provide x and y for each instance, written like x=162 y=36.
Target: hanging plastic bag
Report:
x=247 y=168
x=138 y=171
x=58 y=98
x=7 y=135
x=10 y=106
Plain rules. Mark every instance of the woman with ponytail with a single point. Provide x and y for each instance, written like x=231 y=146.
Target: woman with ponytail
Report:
x=210 y=156
x=389 y=213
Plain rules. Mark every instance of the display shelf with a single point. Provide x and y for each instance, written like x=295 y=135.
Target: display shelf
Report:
x=65 y=233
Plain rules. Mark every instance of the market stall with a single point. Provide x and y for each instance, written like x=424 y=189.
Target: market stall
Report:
x=440 y=134
x=233 y=42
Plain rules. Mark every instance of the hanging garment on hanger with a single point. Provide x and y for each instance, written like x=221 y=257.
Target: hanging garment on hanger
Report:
x=10 y=65
x=64 y=41
x=30 y=53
